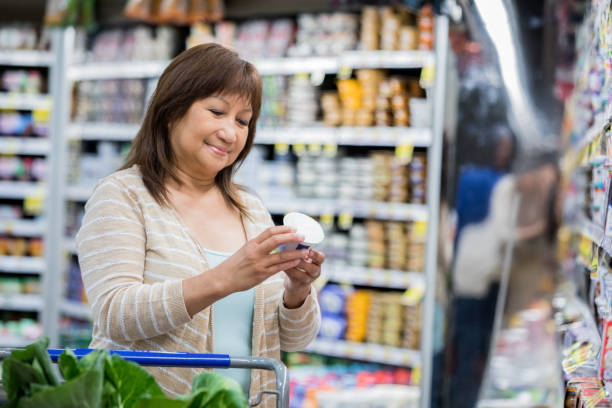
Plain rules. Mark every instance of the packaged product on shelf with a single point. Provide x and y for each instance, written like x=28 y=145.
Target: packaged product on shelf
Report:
x=324 y=34
x=23 y=329
x=22 y=81
x=18 y=37
x=425 y=24
x=302 y=107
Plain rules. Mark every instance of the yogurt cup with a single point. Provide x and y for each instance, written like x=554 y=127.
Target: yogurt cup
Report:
x=306 y=226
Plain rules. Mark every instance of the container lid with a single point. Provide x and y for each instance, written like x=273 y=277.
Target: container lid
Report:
x=305 y=225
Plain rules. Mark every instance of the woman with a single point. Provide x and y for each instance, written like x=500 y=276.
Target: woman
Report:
x=169 y=247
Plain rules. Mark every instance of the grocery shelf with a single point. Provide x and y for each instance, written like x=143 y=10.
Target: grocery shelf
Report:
x=79 y=192
x=118 y=132
x=22 y=228
x=116 y=70
x=20 y=189
x=357 y=208
x=22 y=101
x=24 y=145
x=366 y=351
x=26 y=58
x=18 y=302
x=347 y=136
x=589 y=229
x=22 y=264
x=77 y=310
x=265 y=66
x=14 y=342
x=349 y=59
x=382 y=278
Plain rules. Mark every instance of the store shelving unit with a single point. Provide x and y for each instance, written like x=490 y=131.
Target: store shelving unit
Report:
x=366 y=352
x=584 y=269
x=22 y=265
x=42 y=304
x=21 y=303
x=19 y=145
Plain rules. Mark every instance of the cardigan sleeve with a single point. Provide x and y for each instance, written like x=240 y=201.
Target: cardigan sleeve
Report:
x=299 y=326
x=111 y=250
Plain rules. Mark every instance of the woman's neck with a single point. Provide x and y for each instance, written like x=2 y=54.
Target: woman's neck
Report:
x=192 y=186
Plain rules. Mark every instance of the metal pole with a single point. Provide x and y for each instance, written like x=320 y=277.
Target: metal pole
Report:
x=52 y=277
x=434 y=174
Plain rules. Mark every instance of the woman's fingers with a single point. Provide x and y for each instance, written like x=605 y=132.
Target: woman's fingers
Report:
x=304 y=271
x=285 y=256
x=317 y=257
x=269 y=232
x=276 y=240
x=276 y=268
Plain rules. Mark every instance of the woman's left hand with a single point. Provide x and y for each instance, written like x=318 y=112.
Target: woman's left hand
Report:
x=299 y=279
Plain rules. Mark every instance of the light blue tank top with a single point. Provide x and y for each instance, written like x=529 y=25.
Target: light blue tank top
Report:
x=233 y=325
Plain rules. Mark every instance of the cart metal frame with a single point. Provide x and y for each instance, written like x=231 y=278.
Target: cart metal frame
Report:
x=181 y=359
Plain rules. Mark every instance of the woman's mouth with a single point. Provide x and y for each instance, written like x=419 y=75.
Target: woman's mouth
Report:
x=217 y=150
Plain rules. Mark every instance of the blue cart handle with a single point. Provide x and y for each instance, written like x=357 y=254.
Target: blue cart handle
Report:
x=156 y=358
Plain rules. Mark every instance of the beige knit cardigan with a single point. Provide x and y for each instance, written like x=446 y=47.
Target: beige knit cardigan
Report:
x=133 y=255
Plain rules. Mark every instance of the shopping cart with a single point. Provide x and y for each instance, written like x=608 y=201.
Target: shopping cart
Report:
x=180 y=359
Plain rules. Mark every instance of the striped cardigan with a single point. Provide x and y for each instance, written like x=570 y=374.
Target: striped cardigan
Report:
x=133 y=255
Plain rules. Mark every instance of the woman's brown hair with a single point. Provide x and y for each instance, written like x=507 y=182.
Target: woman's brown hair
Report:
x=197 y=73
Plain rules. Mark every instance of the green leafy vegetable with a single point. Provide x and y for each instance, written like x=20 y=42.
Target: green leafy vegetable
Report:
x=80 y=392
x=100 y=380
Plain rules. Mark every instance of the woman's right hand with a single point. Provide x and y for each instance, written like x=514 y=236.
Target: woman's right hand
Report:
x=255 y=262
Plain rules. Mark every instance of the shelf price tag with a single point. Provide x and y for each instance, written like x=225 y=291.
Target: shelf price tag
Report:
x=330 y=149
x=299 y=149
x=403 y=152
x=314 y=149
x=281 y=148
x=327 y=219
x=345 y=219
x=9 y=226
x=428 y=74
x=12 y=146
x=33 y=203
x=344 y=72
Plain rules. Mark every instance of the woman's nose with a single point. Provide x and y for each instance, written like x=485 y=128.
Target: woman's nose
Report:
x=227 y=133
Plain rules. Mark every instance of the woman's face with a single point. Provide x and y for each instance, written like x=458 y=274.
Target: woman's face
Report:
x=211 y=135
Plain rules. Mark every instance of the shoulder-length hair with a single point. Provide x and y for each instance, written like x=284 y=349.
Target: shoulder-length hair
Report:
x=197 y=73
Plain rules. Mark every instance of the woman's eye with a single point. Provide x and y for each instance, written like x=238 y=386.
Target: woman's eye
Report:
x=243 y=122
x=216 y=112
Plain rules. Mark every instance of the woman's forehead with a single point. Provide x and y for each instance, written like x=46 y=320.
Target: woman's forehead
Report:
x=234 y=99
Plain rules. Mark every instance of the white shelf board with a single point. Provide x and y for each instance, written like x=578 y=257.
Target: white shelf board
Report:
x=21 y=189
x=18 y=302
x=347 y=136
x=77 y=310
x=387 y=59
x=119 y=132
x=14 y=342
x=359 y=209
x=589 y=229
x=265 y=66
x=78 y=192
x=22 y=101
x=350 y=59
x=366 y=351
x=26 y=58
x=22 y=264
x=382 y=278
x=23 y=228
x=116 y=70
x=24 y=145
